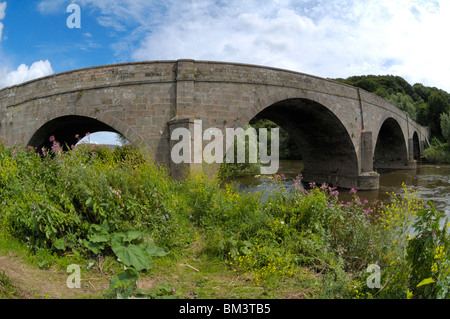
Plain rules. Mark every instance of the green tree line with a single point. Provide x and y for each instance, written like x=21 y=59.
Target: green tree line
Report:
x=429 y=106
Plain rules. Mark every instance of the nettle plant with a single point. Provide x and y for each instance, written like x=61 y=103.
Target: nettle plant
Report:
x=131 y=249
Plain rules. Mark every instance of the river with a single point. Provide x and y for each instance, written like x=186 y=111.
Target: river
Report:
x=430 y=180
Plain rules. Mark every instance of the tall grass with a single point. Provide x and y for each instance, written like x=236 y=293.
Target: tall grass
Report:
x=56 y=200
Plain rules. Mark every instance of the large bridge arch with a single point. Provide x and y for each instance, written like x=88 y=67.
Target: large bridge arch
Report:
x=328 y=151
x=68 y=126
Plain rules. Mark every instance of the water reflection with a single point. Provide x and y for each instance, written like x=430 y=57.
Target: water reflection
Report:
x=431 y=181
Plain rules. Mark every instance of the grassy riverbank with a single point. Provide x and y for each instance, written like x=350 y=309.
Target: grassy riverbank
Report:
x=94 y=205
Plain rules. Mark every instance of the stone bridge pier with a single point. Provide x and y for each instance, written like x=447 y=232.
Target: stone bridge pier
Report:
x=345 y=134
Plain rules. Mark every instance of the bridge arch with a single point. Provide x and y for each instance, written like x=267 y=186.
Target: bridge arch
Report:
x=327 y=149
x=69 y=128
x=390 y=149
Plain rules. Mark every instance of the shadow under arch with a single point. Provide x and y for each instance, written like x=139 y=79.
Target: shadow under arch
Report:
x=390 y=149
x=416 y=146
x=326 y=147
x=65 y=129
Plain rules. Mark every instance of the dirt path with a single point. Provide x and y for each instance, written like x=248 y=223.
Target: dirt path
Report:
x=52 y=284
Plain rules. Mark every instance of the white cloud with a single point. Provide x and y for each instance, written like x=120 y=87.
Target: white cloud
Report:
x=328 y=38
x=52 y=6
x=2 y=16
x=25 y=73
x=2 y=10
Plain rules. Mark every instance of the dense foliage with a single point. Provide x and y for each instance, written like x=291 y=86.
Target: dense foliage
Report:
x=96 y=200
x=429 y=106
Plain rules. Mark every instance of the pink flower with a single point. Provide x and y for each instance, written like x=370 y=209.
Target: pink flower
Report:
x=353 y=191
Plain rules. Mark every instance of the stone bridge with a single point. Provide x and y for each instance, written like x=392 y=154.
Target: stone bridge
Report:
x=344 y=133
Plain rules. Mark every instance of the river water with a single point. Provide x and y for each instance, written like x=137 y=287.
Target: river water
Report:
x=431 y=181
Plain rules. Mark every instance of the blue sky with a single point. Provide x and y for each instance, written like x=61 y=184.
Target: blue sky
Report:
x=327 y=38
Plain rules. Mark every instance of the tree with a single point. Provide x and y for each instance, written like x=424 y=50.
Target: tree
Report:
x=422 y=114
x=445 y=126
x=437 y=104
x=404 y=102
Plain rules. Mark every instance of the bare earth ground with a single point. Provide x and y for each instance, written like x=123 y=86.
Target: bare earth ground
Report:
x=38 y=283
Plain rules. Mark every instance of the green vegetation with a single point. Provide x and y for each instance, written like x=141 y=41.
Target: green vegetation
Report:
x=7 y=289
x=288 y=150
x=429 y=106
x=199 y=238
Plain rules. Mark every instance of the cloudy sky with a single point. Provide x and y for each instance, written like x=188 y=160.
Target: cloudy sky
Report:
x=327 y=38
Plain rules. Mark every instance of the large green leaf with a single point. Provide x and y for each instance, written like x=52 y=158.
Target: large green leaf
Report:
x=133 y=256
x=100 y=238
x=129 y=277
x=95 y=248
x=153 y=250
x=426 y=282
x=129 y=235
x=60 y=244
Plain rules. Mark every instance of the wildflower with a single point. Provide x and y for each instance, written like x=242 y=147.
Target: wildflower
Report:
x=353 y=191
x=434 y=268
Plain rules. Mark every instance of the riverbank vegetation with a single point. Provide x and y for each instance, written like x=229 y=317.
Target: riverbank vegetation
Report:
x=114 y=208
x=428 y=106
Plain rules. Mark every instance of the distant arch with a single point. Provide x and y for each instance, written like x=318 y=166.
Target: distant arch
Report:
x=390 y=148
